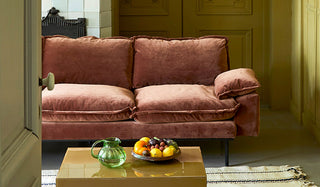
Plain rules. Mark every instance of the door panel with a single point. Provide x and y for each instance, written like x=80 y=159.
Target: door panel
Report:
x=240 y=48
x=241 y=21
x=150 y=17
x=20 y=58
x=216 y=7
x=12 y=105
x=21 y=161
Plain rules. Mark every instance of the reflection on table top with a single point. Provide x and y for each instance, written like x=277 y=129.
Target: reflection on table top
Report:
x=78 y=163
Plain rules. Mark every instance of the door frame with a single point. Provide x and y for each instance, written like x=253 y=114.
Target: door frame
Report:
x=32 y=69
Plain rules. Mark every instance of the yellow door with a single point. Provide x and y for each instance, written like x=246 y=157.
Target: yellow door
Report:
x=150 y=17
x=241 y=21
x=20 y=59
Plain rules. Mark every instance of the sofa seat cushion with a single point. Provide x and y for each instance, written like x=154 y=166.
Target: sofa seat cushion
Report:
x=83 y=102
x=181 y=103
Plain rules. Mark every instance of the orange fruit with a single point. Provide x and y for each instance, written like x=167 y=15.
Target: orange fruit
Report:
x=139 y=144
x=138 y=174
x=140 y=151
x=146 y=139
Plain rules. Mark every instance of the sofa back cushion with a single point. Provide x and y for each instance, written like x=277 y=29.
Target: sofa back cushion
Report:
x=89 y=60
x=179 y=61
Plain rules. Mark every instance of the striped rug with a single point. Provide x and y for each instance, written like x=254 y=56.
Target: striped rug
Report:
x=265 y=176
x=48 y=178
x=242 y=176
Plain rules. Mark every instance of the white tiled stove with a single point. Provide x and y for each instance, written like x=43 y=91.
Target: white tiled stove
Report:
x=97 y=13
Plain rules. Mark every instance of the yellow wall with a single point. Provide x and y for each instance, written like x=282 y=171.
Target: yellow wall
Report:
x=280 y=54
x=259 y=33
x=296 y=58
x=305 y=99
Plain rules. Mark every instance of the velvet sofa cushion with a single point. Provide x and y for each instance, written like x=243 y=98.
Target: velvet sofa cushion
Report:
x=88 y=60
x=159 y=61
x=235 y=82
x=84 y=102
x=181 y=103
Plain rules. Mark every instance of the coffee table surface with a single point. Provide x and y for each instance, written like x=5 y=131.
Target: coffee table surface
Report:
x=79 y=168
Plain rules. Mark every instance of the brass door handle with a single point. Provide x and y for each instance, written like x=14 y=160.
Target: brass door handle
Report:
x=48 y=81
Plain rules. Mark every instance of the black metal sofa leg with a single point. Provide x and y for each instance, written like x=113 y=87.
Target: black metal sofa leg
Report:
x=226 y=152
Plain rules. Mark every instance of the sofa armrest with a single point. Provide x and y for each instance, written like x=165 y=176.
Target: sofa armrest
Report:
x=247 y=118
x=235 y=82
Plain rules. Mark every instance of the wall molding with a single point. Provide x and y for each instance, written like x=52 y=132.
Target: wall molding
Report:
x=232 y=7
x=245 y=35
x=148 y=33
x=144 y=8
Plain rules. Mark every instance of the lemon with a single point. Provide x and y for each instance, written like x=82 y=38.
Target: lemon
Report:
x=173 y=148
x=145 y=139
x=155 y=153
x=168 y=152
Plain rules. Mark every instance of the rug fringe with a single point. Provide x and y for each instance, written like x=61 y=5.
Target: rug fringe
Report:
x=301 y=176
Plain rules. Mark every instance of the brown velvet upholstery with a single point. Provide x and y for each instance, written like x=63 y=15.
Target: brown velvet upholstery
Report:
x=82 y=102
x=92 y=105
x=160 y=61
x=248 y=115
x=88 y=60
x=181 y=103
x=235 y=82
x=136 y=130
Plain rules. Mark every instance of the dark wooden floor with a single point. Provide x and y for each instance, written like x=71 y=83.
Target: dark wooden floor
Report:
x=282 y=141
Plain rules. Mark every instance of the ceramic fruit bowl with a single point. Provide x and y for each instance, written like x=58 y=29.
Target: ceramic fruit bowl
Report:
x=155 y=149
x=156 y=159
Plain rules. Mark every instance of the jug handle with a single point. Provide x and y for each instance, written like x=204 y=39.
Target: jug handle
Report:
x=93 y=145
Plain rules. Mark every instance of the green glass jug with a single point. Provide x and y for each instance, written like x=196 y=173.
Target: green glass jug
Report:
x=111 y=154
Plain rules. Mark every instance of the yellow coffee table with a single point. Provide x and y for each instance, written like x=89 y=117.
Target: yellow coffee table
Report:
x=79 y=169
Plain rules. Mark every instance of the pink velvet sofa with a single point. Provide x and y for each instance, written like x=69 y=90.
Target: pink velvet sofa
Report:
x=146 y=86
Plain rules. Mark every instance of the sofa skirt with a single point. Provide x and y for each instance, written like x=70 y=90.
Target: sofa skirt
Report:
x=135 y=130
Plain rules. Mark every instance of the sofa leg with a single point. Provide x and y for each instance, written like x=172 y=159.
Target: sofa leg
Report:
x=226 y=152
